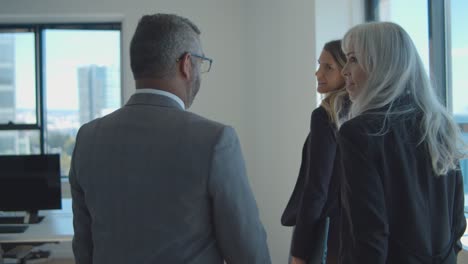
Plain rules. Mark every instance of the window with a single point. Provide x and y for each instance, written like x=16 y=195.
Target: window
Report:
x=53 y=79
x=458 y=90
x=17 y=74
x=404 y=13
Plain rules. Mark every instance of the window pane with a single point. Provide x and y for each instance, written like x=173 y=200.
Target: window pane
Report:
x=413 y=17
x=459 y=56
x=82 y=83
x=19 y=142
x=17 y=78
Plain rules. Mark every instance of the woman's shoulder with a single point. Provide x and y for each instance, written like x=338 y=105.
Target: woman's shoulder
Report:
x=362 y=126
x=320 y=117
x=320 y=113
x=358 y=122
x=380 y=125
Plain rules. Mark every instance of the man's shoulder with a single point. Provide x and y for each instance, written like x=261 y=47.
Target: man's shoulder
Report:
x=183 y=122
x=198 y=122
x=180 y=116
x=207 y=130
x=89 y=125
x=193 y=117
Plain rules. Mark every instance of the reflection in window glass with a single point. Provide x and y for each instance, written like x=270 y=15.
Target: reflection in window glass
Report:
x=459 y=89
x=17 y=78
x=413 y=17
x=82 y=83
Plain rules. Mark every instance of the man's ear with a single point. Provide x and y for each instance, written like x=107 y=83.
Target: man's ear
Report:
x=185 y=66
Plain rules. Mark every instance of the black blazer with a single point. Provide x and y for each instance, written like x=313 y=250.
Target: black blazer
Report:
x=316 y=193
x=395 y=209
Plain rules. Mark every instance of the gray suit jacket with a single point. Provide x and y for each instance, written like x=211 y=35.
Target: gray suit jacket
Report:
x=152 y=183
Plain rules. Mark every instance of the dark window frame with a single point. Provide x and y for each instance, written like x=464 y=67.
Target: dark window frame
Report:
x=38 y=30
x=438 y=42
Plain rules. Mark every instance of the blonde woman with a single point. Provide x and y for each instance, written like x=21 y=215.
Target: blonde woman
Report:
x=315 y=196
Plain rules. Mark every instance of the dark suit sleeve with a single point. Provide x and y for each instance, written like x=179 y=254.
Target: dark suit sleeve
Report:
x=321 y=157
x=365 y=224
x=459 y=220
x=288 y=218
x=82 y=239
x=239 y=233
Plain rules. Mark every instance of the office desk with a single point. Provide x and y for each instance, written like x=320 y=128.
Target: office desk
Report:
x=57 y=226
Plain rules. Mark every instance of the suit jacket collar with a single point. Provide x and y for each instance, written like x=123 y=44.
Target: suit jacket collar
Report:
x=153 y=99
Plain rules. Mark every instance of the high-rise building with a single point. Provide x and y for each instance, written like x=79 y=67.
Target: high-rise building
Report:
x=99 y=91
x=8 y=139
x=7 y=78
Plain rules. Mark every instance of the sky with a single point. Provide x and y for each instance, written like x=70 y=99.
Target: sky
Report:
x=66 y=50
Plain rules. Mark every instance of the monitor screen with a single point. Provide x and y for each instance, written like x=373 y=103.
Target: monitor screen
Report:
x=30 y=182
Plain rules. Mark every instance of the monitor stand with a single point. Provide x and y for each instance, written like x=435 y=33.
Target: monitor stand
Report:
x=32 y=217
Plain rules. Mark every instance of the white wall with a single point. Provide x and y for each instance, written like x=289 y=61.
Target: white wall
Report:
x=282 y=84
x=285 y=39
x=262 y=80
x=334 y=17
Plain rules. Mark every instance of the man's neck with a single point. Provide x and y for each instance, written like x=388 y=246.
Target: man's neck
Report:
x=163 y=85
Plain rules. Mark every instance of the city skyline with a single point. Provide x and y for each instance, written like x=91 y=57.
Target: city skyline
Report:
x=66 y=52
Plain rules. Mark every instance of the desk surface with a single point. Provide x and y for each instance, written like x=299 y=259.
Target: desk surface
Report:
x=57 y=226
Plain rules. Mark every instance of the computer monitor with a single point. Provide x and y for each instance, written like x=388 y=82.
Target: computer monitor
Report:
x=30 y=183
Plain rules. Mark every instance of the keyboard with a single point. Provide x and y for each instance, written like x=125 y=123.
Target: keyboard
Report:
x=11 y=229
x=9 y=220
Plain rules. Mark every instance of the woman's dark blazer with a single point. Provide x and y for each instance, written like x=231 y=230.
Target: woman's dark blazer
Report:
x=315 y=195
x=395 y=209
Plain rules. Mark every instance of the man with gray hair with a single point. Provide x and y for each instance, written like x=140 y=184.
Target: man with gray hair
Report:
x=154 y=183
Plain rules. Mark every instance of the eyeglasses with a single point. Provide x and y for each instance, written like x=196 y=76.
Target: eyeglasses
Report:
x=205 y=65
